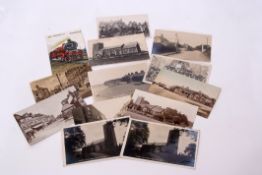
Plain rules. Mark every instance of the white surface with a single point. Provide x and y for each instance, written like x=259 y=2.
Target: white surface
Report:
x=231 y=141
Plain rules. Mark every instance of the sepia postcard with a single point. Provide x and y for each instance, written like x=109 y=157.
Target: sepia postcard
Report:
x=162 y=143
x=196 y=71
x=182 y=45
x=75 y=76
x=93 y=141
x=66 y=50
x=118 y=81
x=151 y=107
x=123 y=25
x=111 y=107
x=48 y=116
x=118 y=49
x=179 y=87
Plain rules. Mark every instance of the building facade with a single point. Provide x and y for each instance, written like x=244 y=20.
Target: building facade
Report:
x=197 y=96
x=31 y=123
x=166 y=115
x=99 y=51
x=41 y=93
x=77 y=76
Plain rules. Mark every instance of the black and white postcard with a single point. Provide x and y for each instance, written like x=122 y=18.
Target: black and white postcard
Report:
x=48 y=116
x=151 y=107
x=93 y=141
x=118 y=81
x=179 y=87
x=123 y=25
x=182 y=45
x=118 y=49
x=162 y=143
x=196 y=71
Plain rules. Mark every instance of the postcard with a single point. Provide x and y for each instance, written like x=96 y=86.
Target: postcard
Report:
x=179 y=87
x=119 y=81
x=196 y=71
x=93 y=141
x=123 y=25
x=66 y=50
x=118 y=49
x=48 y=116
x=74 y=76
x=162 y=143
x=151 y=107
x=182 y=45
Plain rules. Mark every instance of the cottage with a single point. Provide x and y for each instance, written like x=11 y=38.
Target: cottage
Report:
x=117 y=50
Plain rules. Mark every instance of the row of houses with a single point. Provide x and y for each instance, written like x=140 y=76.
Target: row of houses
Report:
x=186 y=92
x=31 y=123
x=196 y=96
x=77 y=76
x=128 y=49
x=166 y=115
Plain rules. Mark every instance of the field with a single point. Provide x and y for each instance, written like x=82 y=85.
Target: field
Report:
x=62 y=66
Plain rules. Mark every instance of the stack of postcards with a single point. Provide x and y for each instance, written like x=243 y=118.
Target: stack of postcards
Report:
x=142 y=106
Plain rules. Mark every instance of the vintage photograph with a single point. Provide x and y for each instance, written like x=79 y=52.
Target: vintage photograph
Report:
x=160 y=142
x=66 y=50
x=182 y=45
x=151 y=107
x=196 y=71
x=118 y=49
x=117 y=81
x=48 y=116
x=92 y=141
x=123 y=25
x=75 y=76
x=175 y=86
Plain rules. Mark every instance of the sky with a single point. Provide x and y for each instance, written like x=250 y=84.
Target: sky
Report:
x=94 y=132
x=78 y=37
x=109 y=110
x=115 y=41
x=113 y=73
x=159 y=134
x=171 y=79
x=193 y=39
x=49 y=106
x=185 y=108
x=48 y=82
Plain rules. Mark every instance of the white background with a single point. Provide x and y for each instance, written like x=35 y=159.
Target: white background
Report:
x=231 y=141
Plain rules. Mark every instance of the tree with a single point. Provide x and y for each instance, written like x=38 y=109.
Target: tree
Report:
x=191 y=150
x=138 y=135
x=74 y=138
